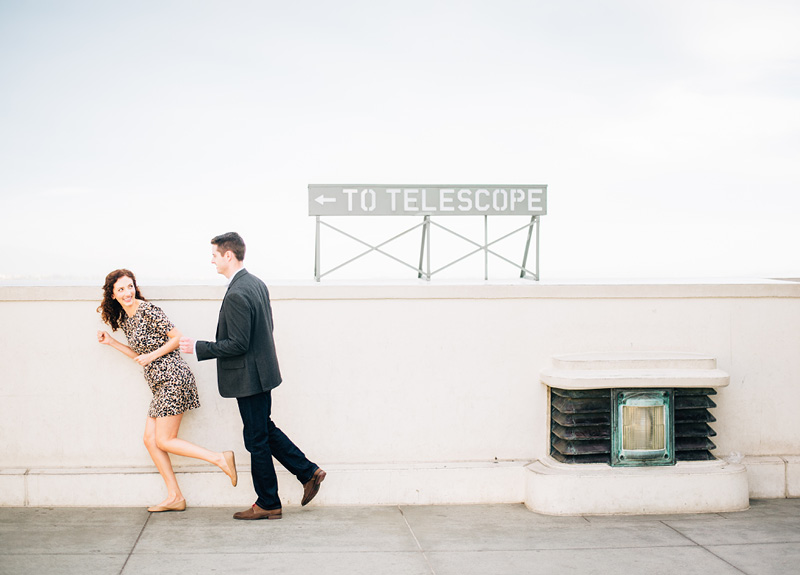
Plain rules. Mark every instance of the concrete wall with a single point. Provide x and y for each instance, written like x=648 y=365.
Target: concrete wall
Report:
x=417 y=393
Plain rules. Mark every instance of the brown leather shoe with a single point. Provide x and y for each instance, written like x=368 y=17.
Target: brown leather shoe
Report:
x=255 y=512
x=311 y=487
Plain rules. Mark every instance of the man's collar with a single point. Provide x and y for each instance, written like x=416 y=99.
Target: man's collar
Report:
x=241 y=271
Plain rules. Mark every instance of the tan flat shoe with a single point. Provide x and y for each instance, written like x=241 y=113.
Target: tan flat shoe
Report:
x=231 y=461
x=177 y=506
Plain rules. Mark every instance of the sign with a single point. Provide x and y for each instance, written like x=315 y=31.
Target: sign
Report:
x=419 y=200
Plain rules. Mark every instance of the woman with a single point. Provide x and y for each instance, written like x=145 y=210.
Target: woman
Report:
x=153 y=343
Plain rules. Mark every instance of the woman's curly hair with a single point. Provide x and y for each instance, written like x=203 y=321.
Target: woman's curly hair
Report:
x=110 y=309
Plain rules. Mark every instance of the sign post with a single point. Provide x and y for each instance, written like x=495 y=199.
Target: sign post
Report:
x=428 y=201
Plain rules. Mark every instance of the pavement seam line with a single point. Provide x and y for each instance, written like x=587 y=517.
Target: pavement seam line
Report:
x=135 y=543
x=704 y=548
x=26 y=502
x=419 y=546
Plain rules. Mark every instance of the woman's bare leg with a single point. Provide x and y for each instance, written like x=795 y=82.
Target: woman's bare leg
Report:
x=166 y=430
x=163 y=463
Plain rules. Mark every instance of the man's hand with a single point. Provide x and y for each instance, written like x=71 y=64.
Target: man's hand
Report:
x=187 y=345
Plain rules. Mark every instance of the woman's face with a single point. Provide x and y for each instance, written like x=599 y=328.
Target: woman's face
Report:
x=125 y=291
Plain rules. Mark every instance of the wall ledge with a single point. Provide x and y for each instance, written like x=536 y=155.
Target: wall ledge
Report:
x=467 y=482
x=431 y=483
x=522 y=289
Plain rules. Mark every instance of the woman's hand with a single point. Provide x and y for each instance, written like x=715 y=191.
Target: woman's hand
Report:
x=145 y=358
x=106 y=339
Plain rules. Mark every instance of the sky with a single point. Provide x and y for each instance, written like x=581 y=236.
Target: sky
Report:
x=131 y=133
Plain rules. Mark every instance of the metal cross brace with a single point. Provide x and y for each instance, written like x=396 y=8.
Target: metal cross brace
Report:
x=485 y=248
x=425 y=248
x=318 y=273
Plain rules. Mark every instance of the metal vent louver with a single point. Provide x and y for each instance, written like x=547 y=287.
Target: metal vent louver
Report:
x=692 y=431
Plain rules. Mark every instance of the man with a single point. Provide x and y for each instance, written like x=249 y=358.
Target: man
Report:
x=247 y=369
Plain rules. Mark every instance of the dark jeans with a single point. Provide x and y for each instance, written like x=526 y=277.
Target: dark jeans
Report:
x=263 y=440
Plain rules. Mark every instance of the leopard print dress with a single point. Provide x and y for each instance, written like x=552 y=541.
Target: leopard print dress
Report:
x=169 y=377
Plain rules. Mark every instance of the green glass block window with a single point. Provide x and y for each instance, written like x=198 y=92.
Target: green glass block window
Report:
x=642 y=427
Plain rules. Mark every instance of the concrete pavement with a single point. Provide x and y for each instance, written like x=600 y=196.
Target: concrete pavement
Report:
x=407 y=540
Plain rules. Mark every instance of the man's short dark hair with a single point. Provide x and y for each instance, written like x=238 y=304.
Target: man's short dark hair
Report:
x=230 y=242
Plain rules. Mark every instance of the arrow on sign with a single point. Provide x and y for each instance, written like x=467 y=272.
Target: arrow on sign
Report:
x=322 y=200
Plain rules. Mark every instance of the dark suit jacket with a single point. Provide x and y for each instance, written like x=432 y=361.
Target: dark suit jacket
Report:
x=245 y=350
